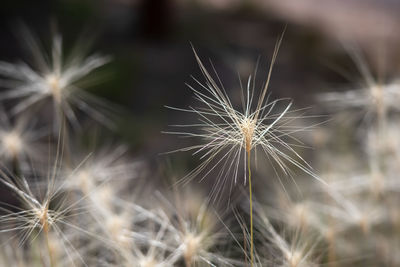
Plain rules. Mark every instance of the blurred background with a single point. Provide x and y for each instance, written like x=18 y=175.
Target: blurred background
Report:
x=150 y=42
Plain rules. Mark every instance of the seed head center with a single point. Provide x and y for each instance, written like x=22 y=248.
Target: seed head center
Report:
x=44 y=218
x=12 y=143
x=192 y=243
x=248 y=127
x=147 y=263
x=53 y=81
x=295 y=258
x=84 y=180
x=377 y=94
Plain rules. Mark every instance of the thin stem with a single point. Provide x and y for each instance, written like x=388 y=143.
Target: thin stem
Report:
x=245 y=246
x=64 y=136
x=15 y=166
x=332 y=251
x=49 y=250
x=251 y=211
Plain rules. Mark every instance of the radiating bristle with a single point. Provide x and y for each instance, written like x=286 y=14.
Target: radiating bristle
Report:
x=55 y=78
x=229 y=136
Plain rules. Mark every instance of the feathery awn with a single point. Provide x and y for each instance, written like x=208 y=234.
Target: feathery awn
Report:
x=53 y=77
x=230 y=136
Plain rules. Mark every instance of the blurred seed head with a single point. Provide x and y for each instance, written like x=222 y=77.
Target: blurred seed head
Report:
x=53 y=77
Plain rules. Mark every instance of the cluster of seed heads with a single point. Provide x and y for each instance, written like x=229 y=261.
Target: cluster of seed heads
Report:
x=92 y=208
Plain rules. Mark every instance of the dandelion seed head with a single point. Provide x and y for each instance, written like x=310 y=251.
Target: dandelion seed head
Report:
x=300 y=212
x=55 y=88
x=295 y=258
x=376 y=93
x=192 y=243
x=19 y=139
x=374 y=97
x=294 y=249
x=12 y=143
x=192 y=230
x=385 y=143
x=248 y=127
x=93 y=170
x=84 y=180
x=104 y=196
x=37 y=214
x=44 y=217
x=116 y=226
x=40 y=214
x=51 y=77
x=229 y=134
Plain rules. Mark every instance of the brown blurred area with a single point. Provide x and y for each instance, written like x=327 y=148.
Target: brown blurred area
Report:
x=366 y=21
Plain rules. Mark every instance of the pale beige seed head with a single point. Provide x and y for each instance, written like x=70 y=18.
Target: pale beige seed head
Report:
x=192 y=245
x=147 y=262
x=248 y=127
x=116 y=226
x=12 y=143
x=53 y=81
x=300 y=211
x=84 y=180
x=104 y=196
x=42 y=214
x=295 y=258
x=376 y=94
